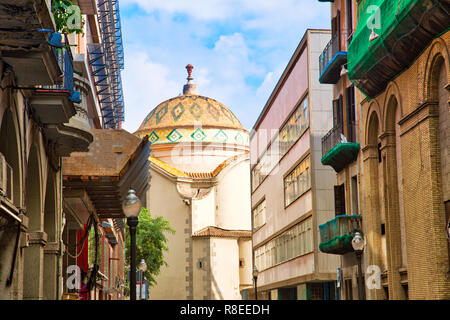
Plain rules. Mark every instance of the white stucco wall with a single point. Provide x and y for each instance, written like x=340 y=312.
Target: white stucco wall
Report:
x=203 y=212
x=225 y=269
x=233 y=211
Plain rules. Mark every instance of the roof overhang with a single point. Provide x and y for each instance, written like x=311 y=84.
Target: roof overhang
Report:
x=107 y=188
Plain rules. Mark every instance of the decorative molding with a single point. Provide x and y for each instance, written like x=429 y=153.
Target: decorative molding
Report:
x=415 y=117
x=52 y=248
x=38 y=238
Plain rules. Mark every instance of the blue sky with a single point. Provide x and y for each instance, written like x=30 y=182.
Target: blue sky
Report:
x=239 y=49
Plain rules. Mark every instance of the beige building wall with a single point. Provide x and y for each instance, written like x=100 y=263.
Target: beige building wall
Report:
x=203 y=267
x=224 y=269
x=245 y=271
x=317 y=202
x=201 y=256
x=277 y=216
x=163 y=200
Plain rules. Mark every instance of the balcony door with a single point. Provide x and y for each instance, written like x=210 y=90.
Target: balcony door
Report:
x=336 y=32
x=339 y=200
x=351 y=106
x=338 y=114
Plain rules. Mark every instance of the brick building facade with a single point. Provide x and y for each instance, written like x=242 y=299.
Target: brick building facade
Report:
x=406 y=181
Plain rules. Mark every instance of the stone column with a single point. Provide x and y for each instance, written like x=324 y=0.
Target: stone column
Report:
x=51 y=256
x=392 y=210
x=33 y=278
x=17 y=285
x=371 y=215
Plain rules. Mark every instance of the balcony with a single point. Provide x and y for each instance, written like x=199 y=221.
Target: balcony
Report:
x=336 y=235
x=54 y=104
x=27 y=28
x=339 y=151
x=406 y=28
x=332 y=59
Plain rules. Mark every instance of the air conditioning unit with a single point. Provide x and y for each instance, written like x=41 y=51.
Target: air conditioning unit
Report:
x=6 y=178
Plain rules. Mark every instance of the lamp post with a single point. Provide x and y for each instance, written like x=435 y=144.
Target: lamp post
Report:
x=131 y=208
x=255 y=279
x=358 y=246
x=142 y=267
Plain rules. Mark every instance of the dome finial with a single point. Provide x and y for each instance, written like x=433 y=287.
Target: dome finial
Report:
x=189 y=68
x=190 y=87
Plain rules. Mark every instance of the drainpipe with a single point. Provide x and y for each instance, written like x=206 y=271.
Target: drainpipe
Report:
x=58 y=273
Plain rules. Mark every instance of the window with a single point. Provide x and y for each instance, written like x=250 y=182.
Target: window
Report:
x=338 y=113
x=336 y=32
x=351 y=109
x=355 y=206
x=316 y=291
x=292 y=243
x=348 y=289
x=259 y=215
x=339 y=200
x=447 y=216
x=349 y=21
x=297 y=182
x=289 y=134
x=379 y=152
x=405 y=289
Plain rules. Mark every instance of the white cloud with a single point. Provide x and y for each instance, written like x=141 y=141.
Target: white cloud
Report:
x=239 y=50
x=146 y=84
x=199 y=9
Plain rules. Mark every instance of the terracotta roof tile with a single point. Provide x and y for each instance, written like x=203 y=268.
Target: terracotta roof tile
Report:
x=222 y=233
x=196 y=175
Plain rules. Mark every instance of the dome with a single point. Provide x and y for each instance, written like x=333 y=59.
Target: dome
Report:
x=192 y=118
x=190 y=111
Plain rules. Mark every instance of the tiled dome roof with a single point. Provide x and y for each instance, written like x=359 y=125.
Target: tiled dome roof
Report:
x=192 y=118
x=189 y=111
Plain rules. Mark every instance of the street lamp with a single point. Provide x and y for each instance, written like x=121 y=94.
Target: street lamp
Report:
x=358 y=246
x=131 y=208
x=255 y=279
x=142 y=267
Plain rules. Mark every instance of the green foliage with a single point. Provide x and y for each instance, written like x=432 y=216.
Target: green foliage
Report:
x=67 y=16
x=150 y=243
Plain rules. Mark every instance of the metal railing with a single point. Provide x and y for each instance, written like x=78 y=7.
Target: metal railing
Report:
x=333 y=46
x=65 y=62
x=341 y=225
x=336 y=136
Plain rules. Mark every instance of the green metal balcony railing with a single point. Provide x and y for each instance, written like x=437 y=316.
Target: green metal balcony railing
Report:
x=339 y=153
x=404 y=28
x=336 y=235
